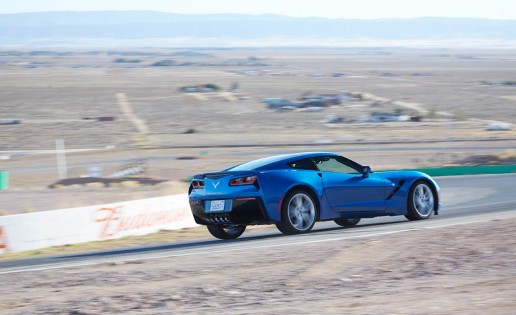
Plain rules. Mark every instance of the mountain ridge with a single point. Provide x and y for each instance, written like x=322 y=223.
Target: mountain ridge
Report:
x=23 y=28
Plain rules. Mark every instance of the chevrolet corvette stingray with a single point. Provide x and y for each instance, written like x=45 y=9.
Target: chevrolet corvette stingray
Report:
x=294 y=191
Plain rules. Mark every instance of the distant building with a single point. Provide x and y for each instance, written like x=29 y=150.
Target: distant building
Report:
x=383 y=117
x=279 y=103
x=273 y=100
x=323 y=100
x=333 y=119
x=335 y=99
x=499 y=127
x=10 y=121
x=314 y=101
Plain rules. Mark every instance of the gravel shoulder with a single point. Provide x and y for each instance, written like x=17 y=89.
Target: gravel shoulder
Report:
x=468 y=269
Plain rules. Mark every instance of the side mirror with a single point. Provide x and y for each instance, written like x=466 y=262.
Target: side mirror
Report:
x=367 y=171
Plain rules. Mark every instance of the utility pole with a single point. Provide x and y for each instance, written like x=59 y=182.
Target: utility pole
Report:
x=61 y=159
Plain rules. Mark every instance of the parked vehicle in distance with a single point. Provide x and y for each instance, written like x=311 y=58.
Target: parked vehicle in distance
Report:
x=294 y=191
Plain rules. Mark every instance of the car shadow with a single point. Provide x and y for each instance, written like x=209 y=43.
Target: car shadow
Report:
x=361 y=225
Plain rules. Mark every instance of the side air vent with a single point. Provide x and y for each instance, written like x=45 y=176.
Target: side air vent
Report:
x=395 y=190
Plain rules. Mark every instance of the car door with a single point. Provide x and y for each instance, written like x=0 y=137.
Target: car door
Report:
x=348 y=190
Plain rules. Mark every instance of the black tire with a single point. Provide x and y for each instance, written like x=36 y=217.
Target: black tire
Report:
x=347 y=222
x=226 y=232
x=298 y=213
x=421 y=201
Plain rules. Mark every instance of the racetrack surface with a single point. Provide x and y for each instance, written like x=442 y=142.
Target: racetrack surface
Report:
x=462 y=261
x=465 y=199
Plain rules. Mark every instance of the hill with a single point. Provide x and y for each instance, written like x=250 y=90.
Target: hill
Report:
x=69 y=28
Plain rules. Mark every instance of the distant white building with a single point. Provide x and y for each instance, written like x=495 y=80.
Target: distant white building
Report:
x=499 y=127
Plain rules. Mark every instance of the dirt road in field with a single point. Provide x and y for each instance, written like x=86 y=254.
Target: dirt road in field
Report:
x=467 y=269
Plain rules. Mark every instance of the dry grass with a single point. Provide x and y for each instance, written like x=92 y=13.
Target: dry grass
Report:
x=58 y=97
x=508 y=154
x=160 y=238
x=163 y=237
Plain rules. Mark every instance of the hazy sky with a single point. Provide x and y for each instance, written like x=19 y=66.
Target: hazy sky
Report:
x=492 y=9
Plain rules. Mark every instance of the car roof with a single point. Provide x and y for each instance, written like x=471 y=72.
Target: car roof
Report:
x=283 y=158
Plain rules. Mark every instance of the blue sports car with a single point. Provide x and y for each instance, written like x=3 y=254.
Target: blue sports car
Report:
x=294 y=191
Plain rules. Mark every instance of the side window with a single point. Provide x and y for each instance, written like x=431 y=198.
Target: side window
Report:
x=304 y=164
x=336 y=164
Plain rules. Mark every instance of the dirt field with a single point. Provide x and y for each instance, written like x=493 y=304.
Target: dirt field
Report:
x=52 y=93
x=58 y=94
x=455 y=270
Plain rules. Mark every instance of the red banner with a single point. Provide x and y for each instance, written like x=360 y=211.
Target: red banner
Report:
x=3 y=240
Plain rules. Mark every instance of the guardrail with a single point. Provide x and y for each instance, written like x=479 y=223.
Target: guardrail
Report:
x=21 y=232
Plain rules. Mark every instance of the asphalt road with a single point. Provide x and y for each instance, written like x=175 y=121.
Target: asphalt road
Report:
x=465 y=199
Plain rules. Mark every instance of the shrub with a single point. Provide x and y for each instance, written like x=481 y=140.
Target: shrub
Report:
x=199 y=88
x=164 y=63
x=212 y=86
x=125 y=60
x=432 y=113
x=460 y=115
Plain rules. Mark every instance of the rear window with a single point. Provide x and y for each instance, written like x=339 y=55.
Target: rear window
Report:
x=304 y=164
x=257 y=164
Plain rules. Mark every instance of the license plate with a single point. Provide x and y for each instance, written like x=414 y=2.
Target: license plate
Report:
x=217 y=205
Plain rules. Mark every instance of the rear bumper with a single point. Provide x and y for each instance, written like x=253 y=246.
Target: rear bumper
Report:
x=246 y=211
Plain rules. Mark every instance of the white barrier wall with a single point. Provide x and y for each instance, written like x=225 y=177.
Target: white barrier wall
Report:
x=76 y=225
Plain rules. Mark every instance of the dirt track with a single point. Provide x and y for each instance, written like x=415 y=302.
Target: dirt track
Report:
x=469 y=269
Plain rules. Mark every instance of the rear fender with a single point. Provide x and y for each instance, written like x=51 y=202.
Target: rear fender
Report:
x=276 y=184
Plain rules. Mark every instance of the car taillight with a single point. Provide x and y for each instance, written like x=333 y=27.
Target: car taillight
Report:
x=196 y=184
x=249 y=180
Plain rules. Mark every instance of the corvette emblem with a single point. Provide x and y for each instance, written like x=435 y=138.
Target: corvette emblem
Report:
x=215 y=184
